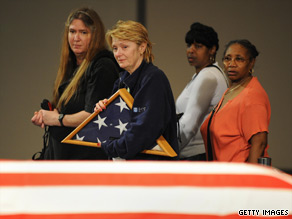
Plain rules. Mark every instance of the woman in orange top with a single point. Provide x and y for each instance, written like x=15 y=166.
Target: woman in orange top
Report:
x=239 y=125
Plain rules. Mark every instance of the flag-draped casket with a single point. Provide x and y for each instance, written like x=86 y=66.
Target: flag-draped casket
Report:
x=132 y=189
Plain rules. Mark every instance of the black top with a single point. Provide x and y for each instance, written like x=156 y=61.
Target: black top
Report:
x=96 y=84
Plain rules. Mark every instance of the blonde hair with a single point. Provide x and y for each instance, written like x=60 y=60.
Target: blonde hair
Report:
x=68 y=60
x=132 y=31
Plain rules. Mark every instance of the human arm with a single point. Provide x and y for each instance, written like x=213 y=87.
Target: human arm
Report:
x=202 y=90
x=51 y=118
x=258 y=144
x=73 y=120
x=254 y=124
x=96 y=84
x=100 y=76
x=150 y=117
x=103 y=75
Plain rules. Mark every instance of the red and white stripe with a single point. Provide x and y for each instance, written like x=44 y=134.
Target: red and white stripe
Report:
x=95 y=189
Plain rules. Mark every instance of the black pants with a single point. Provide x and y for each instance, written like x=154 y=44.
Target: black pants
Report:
x=198 y=157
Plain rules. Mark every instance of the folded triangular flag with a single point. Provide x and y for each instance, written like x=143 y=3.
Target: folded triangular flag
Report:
x=111 y=123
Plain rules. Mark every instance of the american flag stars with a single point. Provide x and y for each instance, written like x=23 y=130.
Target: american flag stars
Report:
x=122 y=104
x=100 y=122
x=122 y=126
x=110 y=123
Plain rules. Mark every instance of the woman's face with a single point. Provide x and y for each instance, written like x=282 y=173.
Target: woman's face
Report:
x=128 y=54
x=79 y=37
x=237 y=63
x=199 y=55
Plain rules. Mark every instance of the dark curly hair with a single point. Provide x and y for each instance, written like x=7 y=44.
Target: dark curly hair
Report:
x=203 y=34
x=251 y=49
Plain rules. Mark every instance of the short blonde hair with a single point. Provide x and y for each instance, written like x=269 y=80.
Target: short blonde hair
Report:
x=132 y=31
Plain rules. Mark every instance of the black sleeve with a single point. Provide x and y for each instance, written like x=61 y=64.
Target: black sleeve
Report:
x=102 y=76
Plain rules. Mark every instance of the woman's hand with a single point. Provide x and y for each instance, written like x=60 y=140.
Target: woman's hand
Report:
x=50 y=118
x=37 y=119
x=100 y=105
x=46 y=117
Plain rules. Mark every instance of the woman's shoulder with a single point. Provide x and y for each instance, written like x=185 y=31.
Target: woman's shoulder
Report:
x=103 y=61
x=152 y=69
x=104 y=56
x=153 y=73
x=255 y=93
x=211 y=71
x=255 y=87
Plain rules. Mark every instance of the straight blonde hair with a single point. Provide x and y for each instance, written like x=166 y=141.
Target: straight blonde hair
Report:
x=68 y=60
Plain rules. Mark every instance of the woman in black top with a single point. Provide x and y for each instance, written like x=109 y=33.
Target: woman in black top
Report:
x=86 y=74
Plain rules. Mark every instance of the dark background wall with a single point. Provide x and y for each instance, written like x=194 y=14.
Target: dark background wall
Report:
x=30 y=40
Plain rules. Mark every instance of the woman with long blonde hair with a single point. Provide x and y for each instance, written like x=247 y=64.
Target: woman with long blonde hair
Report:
x=87 y=72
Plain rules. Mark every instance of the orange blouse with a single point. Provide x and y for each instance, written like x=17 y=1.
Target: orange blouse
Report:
x=233 y=125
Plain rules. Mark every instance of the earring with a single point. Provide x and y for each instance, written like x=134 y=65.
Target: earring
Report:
x=212 y=59
x=251 y=71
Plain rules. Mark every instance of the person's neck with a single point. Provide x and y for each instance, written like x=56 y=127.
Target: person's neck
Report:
x=132 y=70
x=238 y=86
x=79 y=59
x=200 y=69
x=241 y=82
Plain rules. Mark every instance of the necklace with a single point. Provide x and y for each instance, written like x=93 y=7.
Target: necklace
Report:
x=237 y=86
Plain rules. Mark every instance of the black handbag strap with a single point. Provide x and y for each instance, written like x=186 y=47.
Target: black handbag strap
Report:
x=178 y=116
x=226 y=80
x=209 y=146
x=215 y=67
x=41 y=154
